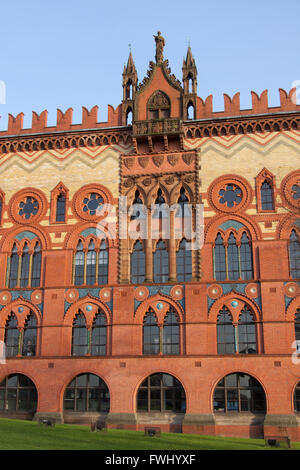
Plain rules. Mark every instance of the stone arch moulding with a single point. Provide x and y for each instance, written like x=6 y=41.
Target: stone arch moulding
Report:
x=10 y=236
x=213 y=225
x=89 y=315
x=234 y=311
x=230 y=194
x=286 y=225
x=151 y=302
x=291 y=310
x=21 y=316
x=96 y=231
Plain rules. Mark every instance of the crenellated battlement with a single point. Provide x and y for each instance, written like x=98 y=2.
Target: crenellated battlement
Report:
x=204 y=110
x=260 y=105
x=63 y=121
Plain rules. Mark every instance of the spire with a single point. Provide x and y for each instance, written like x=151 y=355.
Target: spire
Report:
x=189 y=62
x=189 y=78
x=130 y=80
x=130 y=68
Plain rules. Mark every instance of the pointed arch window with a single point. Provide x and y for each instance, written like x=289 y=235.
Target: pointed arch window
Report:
x=294 y=255
x=171 y=343
x=29 y=336
x=161 y=263
x=160 y=211
x=79 y=264
x=36 y=266
x=60 y=208
x=25 y=261
x=103 y=264
x=13 y=267
x=246 y=333
x=151 y=334
x=11 y=338
x=219 y=259
x=297 y=326
x=266 y=195
x=184 y=262
x=138 y=263
x=233 y=260
x=98 y=335
x=225 y=333
x=246 y=262
x=183 y=202
x=91 y=264
x=79 y=336
x=136 y=211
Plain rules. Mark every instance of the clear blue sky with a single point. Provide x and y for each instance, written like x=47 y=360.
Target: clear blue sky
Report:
x=71 y=53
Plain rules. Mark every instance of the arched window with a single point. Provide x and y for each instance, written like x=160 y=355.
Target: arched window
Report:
x=225 y=333
x=161 y=339
x=36 y=266
x=159 y=210
x=136 y=211
x=159 y=106
x=103 y=264
x=60 y=208
x=138 y=264
x=233 y=261
x=171 y=343
x=14 y=267
x=29 y=336
x=184 y=262
x=297 y=398
x=91 y=264
x=219 y=259
x=18 y=393
x=190 y=111
x=161 y=263
x=98 y=336
x=161 y=393
x=11 y=338
x=297 y=325
x=294 y=252
x=246 y=333
x=233 y=258
x=87 y=392
x=239 y=392
x=151 y=334
x=246 y=263
x=266 y=194
x=25 y=266
x=79 y=336
x=79 y=265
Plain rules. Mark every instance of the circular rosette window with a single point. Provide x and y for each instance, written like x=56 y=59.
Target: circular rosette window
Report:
x=229 y=194
x=290 y=188
x=89 y=202
x=27 y=206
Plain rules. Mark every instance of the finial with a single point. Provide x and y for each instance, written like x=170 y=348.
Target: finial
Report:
x=129 y=45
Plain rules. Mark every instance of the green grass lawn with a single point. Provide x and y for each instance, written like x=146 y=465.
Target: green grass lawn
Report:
x=28 y=435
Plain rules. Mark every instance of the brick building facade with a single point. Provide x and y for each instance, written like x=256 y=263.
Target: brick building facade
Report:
x=98 y=325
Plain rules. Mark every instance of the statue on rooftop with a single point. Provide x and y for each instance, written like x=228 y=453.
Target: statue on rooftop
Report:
x=160 y=44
